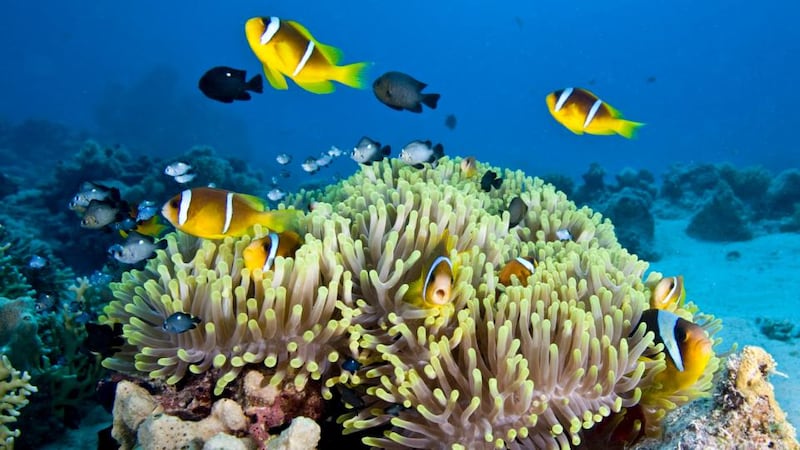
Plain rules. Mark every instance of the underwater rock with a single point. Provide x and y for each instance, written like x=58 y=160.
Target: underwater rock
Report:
x=784 y=194
x=722 y=219
x=629 y=210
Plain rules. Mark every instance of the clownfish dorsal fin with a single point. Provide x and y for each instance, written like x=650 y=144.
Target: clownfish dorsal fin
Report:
x=332 y=53
x=252 y=201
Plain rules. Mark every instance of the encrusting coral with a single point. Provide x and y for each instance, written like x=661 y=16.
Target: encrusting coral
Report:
x=535 y=363
x=14 y=391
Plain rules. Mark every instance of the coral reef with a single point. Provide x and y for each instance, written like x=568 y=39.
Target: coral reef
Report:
x=777 y=329
x=15 y=387
x=532 y=364
x=742 y=413
x=721 y=219
x=628 y=204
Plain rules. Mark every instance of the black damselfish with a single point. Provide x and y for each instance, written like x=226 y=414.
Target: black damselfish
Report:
x=227 y=84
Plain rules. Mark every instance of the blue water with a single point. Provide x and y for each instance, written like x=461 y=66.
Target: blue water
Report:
x=723 y=77
x=714 y=81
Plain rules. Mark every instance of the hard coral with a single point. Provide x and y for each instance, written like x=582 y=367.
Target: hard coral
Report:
x=14 y=391
x=491 y=366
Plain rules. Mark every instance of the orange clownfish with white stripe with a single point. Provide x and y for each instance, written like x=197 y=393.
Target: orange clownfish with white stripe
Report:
x=668 y=293
x=261 y=253
x=434 y=287
x=287 y=49
x=520 y=267
x=216 y=213
x=580 y=111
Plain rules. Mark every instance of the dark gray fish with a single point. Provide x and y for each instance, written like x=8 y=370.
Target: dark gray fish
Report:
x=135 y=249
x=417 y=152
x=180 y=322
x=99 y=213
x=490 y=180
x=400 y=91
x=227 y=84
x=368 y=151
x=451 y=121
x=517 y=210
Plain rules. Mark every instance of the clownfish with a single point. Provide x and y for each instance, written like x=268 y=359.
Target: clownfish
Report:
x=580 y=111
x=521 y=267
x=261 y=253
x=215 y=213
x=286 y=48
x=688 y=349
x=668 y=292
x=434 y=287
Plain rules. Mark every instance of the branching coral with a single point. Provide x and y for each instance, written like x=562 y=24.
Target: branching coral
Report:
x=14 y=391
x=532 y=364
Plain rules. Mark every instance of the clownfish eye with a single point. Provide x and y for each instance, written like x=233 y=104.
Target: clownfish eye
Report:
x=174 y=203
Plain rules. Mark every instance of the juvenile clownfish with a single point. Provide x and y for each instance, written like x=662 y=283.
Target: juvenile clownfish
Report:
x=582 y=112
x=686 y=344
x=521 y=267
x=215 y=213
x=668 y=292
x=261 y=253
x=469 y=167
x=286 y=48
x=434 y=287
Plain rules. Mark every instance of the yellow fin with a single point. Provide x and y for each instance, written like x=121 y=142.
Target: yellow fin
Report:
x=275 y=78
x=281 y=220
x=627 y=128
x=317 y=87
x=353 y=75
x=252 y=201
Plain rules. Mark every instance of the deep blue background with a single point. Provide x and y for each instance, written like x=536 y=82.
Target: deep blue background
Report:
x=725 y=77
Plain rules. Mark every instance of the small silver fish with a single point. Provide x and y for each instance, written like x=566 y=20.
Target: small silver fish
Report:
x=45 y=302
x=99 y=214
x=92 y=191
x=177 y=169
x=417 y=152
x=564 y=235
x=283 y=159
x=368 y=151
x=310 y=165
x=334 y=152
x=180 y=322
x=185 y=178
x=146 y=210
x=324 y=160
x=136 y=248
x=276 y=195
x=37 y=262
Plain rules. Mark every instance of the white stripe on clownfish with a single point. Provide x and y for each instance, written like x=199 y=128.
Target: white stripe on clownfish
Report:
x=436 y=262
x=186 y=201
x=304 y=59
x=526 y=264
x=274 y=241
x=666 y=327
x=563 y=98
x=592 y=113
x=228 y=212
x=272 y=29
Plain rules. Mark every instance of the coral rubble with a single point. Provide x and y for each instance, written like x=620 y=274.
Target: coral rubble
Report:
x=742 y=413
